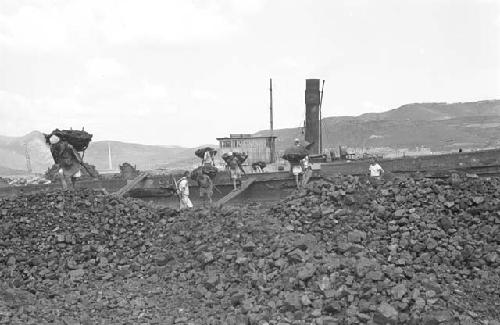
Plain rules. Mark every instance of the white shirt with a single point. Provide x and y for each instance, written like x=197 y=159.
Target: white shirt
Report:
x=305 y=162
x=183 y=186
x=375 y=170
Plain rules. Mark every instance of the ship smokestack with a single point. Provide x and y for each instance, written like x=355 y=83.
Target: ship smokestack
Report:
x=312 y=99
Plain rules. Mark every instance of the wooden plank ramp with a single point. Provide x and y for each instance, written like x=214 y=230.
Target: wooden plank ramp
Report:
x=131 y=185
x=231 y=195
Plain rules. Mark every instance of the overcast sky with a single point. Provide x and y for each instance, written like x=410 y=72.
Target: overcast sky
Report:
x=185 y=72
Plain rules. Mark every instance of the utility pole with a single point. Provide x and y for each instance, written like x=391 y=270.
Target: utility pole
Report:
x=271 y=104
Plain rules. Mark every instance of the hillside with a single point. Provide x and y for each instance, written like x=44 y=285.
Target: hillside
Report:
x=439 y=126
x=144 y=156
x=12 y=152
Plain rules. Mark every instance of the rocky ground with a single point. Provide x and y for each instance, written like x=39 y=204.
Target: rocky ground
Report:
x=339 y=252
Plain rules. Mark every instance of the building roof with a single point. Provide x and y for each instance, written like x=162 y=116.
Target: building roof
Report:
x=248 y=138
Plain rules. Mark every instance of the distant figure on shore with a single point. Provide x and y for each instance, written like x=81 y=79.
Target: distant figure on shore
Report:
x=332 y=155
x=460 y=150
x=183 y=192
x=376 y=171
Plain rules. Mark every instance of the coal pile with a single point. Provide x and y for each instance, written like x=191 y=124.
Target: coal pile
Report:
x=422 y=252
x=342 y=252
x=403 y=252
x=62 y=248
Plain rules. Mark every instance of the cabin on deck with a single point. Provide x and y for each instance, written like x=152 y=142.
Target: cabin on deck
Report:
x=258 y=148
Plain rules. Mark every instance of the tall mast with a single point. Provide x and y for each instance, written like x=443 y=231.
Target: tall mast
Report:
x=320 y=119
x=271 y=127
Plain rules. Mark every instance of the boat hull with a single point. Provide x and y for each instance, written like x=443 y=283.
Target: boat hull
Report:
x=273 y=186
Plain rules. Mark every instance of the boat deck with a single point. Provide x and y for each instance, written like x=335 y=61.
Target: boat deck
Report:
x=273 y=186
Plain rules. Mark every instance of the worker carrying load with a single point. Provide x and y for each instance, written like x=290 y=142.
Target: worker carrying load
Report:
x=64 y=147
x=234 y=160
x=205 y=176
x=238 y=157
x=206 y=186
x=294 y=155
x=207 y=155
x=208 y=170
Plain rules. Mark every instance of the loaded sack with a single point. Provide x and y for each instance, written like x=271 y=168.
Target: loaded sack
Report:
x=260 y=164
x=211 y=171
x=201 y=152
x=80 y=140
x=240 y=156
x=295 y=154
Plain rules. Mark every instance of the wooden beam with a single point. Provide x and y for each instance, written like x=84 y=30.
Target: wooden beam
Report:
x=244 y=185
x=131 y=185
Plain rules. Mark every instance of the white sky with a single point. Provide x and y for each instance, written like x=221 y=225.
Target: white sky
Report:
x=185 y=72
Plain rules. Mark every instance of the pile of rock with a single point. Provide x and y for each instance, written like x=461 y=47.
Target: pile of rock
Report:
x=342 y=252
x=64 y=243
x=403 y=251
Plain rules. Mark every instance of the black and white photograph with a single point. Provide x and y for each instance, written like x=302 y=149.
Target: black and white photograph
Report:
x=250 y=162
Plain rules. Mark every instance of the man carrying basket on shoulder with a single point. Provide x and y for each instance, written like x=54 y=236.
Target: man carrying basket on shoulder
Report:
x=68 y=161
x=64 y=146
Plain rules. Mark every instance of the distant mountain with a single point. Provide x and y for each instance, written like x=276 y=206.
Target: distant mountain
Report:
x=437 y=111
x=144 y=156
x=13 y=152
x=439 y=126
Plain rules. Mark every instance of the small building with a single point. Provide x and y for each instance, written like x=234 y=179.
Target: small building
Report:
x=257 y=148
